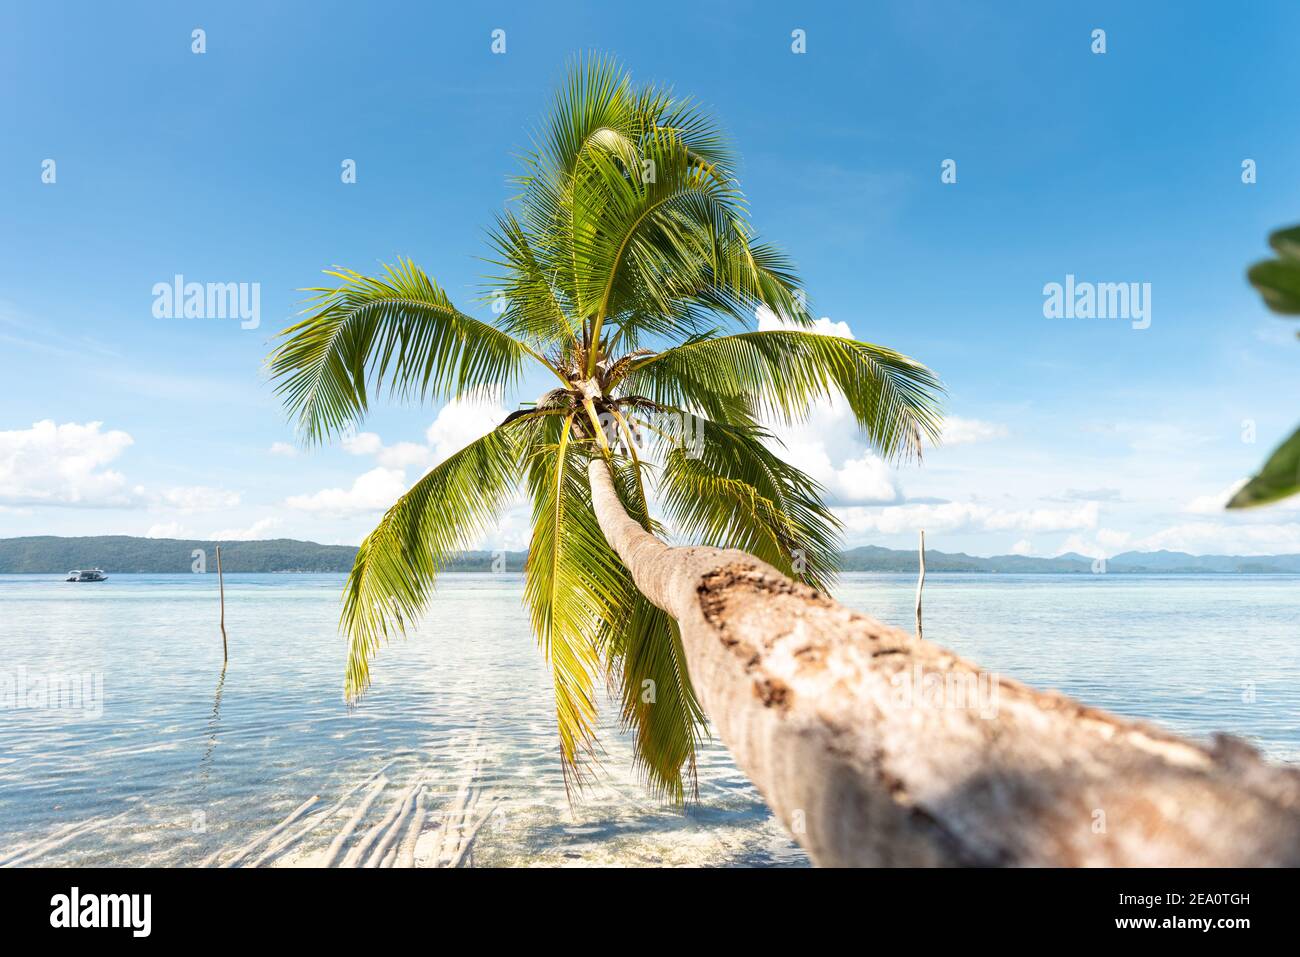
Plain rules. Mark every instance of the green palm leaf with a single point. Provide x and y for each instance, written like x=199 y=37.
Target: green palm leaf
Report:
x=535 y=307
x=574 y=585
x=647 y=238
x=724 y=486
x=784 y=371
x=657 y=700
x=401 y=329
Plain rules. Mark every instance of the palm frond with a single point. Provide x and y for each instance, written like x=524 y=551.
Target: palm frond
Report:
x=783 y=372
x=400 y=329
x=629 y=206
x=722 y=485
x=646 y=239
x=574 y=585
x=536 y=308
x=658 y=703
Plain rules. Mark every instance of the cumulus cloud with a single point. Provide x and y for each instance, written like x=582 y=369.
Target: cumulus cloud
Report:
x=66 y=464
x=862 y=479
x=828 y=446
x=767 y=320
x=374 y=491
x=1023 y=547
x=399 y=456
x=463 y=420
x=283 y=448
x=458 y=423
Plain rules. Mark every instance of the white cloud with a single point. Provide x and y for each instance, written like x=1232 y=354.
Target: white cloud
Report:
x=257 y=530
x=283 y=448
x=51 y=464
x=959 y=431
x=513 y=532
x=463 y=420
x=859 y=479
x=1113 y=538
x=966 y=516
x=1227 y=537
x=767 y=320
x=828 y=445
x=1044 y=519
x=864 y=479
x=1023 y=547
x=374 y=491
x=458 y=423
x=198 y=498
x=1103 y=543
x=361 y=443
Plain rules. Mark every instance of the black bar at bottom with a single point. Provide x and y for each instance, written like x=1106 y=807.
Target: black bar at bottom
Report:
x=379 y=908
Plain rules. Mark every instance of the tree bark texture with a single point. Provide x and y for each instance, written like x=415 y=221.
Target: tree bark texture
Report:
x=875 y=748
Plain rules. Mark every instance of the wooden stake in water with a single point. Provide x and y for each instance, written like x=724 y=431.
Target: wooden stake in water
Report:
x=221 y=584
x=920 y=583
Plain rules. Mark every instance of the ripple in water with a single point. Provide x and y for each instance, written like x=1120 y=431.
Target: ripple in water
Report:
x=191 y=761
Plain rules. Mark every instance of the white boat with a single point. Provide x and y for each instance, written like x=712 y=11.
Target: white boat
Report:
x=86 y=575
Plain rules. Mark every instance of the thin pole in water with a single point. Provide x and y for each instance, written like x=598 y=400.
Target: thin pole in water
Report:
x=920 y=583
x=221 y=584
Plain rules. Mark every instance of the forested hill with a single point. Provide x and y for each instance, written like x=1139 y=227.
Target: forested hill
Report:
x=47 y=554
x=124 y=554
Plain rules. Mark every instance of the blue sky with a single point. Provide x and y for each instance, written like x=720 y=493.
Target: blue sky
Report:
x=1081 y=434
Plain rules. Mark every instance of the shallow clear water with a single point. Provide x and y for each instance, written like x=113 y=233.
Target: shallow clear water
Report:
x=195 y=762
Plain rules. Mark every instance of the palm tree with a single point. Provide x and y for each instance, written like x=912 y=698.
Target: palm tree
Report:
x=625 y=268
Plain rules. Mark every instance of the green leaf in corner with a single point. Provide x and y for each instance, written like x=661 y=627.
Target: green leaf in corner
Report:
x=1286 y=242
x=1279 y=478
x=1278 y=282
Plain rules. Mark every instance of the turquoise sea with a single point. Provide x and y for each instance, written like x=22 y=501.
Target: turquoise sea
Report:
x=162 y=759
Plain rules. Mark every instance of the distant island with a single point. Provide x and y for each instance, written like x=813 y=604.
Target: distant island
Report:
x=125 y=554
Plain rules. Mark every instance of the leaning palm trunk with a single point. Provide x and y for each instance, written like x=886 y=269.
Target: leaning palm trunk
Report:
x=863 y=746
